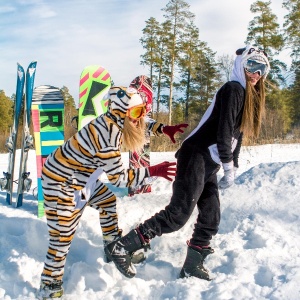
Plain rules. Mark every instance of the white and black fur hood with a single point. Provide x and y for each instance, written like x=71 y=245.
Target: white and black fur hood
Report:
x=243 y=54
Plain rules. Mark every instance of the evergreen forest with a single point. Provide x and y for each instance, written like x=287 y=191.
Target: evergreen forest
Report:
x=186 y=73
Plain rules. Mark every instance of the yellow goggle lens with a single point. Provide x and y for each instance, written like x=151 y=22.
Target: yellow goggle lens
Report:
x=136 y=112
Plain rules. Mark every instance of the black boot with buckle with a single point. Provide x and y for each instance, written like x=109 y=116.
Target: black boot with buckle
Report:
x=193 y=265
x=136 y=258
x=122 y=250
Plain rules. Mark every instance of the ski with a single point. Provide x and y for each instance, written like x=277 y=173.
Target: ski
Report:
x=24 y=182
x=48 y=126
x=6 y=183
x=141 y=158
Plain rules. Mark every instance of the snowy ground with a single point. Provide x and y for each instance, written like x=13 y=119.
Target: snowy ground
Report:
x=256 y=256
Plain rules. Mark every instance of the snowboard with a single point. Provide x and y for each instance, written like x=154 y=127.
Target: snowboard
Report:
x=7 y=181
x=48 y=127
x=94 y=84
x=141 y=158
x=24 y=182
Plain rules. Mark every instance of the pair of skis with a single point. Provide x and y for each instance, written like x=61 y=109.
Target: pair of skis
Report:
x=24 y=182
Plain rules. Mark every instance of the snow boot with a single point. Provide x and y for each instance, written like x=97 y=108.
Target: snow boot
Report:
x=136 y=258
x=121 y=251
x=49 y=291
x=193 y=265
x=107 y=242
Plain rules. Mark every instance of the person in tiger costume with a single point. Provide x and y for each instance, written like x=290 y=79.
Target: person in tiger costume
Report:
x=68 y=169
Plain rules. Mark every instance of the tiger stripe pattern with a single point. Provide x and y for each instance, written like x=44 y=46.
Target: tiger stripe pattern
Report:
x=96 y=192
x=67 y=170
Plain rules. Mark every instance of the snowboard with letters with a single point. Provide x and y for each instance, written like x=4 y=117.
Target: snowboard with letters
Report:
x=48 y=126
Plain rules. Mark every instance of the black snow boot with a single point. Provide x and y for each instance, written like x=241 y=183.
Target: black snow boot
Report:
x=136 y=258
x=121 y=251
x=193 y=265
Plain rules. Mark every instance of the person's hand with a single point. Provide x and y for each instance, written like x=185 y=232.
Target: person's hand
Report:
x=235 y=170
x=164 y=169
x=170 y=131
x=229 y=174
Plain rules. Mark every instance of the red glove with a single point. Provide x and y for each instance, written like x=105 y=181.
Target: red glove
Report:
x=171 y=130
x=164 y=169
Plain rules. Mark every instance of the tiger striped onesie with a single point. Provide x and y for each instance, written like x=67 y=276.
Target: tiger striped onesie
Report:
x=68 y=169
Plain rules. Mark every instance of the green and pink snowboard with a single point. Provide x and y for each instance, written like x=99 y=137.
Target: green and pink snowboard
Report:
x=95 y=82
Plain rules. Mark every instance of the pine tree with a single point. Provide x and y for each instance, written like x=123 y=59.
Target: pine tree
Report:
x=154 y=42
x=292 y=27
x=198 y=72
x=6 y=112
x=189 y=48
x=149 y=42
x=208 y=79
x=264 y=32
x=177 y=12
x=292 y=39
x=161 y=66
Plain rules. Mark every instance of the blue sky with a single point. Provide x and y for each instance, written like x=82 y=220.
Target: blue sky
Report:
x=64 y=36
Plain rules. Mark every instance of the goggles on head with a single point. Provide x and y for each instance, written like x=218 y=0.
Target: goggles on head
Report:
x=253 y=67
x=136 y=112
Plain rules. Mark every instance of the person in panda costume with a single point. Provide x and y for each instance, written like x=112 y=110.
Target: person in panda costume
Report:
x=236 y=110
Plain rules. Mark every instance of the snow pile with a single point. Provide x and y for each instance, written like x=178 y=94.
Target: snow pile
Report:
x=256 y=255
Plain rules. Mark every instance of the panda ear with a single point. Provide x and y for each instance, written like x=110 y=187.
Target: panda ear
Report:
x=240 y=51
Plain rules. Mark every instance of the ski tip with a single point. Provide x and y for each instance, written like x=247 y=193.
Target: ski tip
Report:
x=20 y=67
x=33 y=64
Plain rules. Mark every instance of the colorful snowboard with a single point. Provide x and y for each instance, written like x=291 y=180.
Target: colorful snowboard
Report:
x=48 y=126
x=95 y=83
x=141 y=158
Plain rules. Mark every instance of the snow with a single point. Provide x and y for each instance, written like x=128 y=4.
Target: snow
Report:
x=256 y=255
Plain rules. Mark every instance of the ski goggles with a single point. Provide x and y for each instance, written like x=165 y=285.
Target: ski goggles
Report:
x=253 y=67
x=136 y=112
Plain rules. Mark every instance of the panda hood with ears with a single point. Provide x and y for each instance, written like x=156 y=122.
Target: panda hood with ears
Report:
x=243 y=54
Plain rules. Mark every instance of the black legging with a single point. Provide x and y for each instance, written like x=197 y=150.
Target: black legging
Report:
x=195 y=183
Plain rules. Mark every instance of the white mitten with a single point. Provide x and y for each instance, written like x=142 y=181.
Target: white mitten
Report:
x=229 y=173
